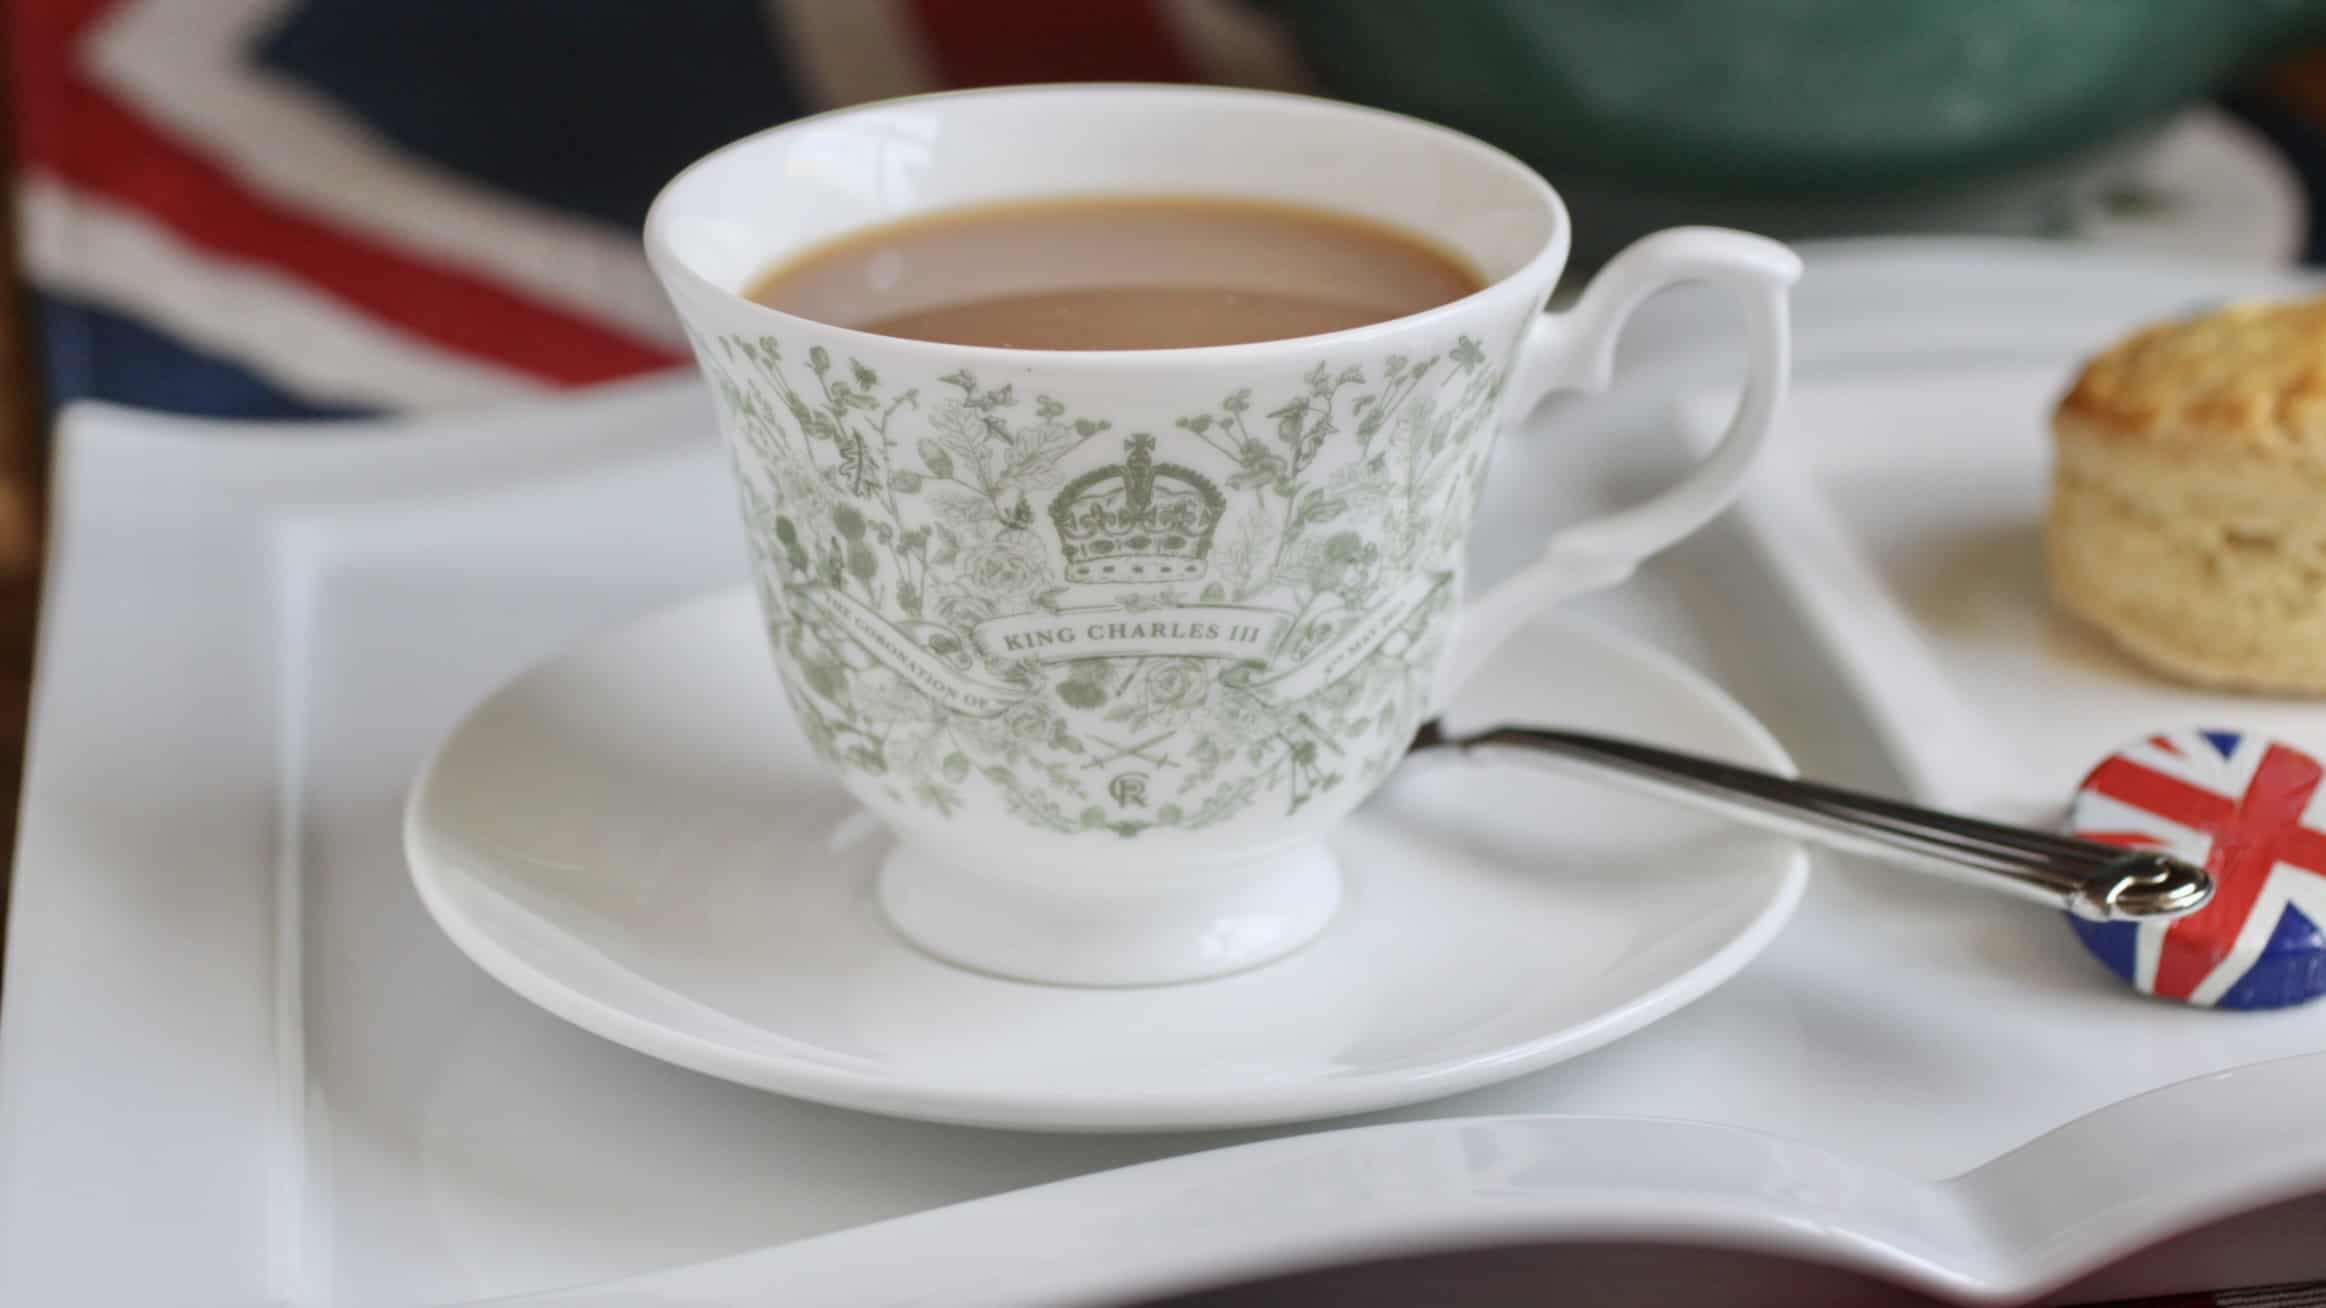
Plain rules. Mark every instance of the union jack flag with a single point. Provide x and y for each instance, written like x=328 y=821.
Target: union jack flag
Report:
x=315 y=208
x=2252 y=811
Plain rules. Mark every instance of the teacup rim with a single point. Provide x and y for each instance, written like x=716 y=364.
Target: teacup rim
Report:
x=1540 y=270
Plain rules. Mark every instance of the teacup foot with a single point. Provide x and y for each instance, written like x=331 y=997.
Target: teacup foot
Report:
x=1235 y=917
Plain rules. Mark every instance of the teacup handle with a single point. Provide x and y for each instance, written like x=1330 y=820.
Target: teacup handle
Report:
x=1575 y=350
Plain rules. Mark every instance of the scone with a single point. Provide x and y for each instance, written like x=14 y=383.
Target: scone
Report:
x=2188 y=506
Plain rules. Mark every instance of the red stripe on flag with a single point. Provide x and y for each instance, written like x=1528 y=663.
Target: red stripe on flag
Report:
x=2268 y=820
x=2145 y=788
x=980 y=43
x=2122 y=839
x=71 y=128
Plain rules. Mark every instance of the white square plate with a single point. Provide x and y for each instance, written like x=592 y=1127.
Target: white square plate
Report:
x=238 y=1065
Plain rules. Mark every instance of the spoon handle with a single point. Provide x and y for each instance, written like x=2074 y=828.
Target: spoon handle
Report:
x=2102 y=883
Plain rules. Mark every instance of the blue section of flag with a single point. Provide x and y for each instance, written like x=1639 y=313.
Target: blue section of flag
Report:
x=2292 y=967
x=2223 y=742
x=2115 y=943
x=586 y=106
x=95 y=354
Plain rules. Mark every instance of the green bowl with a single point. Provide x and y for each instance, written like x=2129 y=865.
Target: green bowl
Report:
x=1803 y=101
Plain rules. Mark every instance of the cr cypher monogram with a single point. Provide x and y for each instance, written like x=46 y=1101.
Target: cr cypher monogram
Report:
x=971 y=588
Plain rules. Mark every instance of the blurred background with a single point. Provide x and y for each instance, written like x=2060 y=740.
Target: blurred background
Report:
x=328 y=208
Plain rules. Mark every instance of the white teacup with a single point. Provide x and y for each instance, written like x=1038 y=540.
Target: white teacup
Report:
x=1111 y=743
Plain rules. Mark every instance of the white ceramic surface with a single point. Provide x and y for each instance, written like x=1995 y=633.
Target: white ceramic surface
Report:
x=1996 y=1234
x=634 y=836
x=1182 y=606
x=233 y=1045
x=1903 y=509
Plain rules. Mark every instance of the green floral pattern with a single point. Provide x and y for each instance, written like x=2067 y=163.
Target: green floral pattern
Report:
x=1108 y=630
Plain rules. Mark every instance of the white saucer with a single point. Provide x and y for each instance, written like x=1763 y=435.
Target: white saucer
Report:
x=632 y=836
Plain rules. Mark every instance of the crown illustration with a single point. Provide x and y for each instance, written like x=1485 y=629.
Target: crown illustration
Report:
x=1137 y=520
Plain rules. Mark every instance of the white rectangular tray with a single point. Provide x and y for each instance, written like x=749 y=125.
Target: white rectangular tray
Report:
x=1902 y=508
x=237 y=1065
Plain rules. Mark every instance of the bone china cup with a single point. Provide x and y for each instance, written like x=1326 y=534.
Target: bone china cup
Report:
x=1111 y=640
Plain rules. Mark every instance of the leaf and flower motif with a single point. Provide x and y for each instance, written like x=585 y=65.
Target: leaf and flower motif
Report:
x=1110 y=630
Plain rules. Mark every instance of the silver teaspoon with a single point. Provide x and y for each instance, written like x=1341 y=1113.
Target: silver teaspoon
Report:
x=2101 y=883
